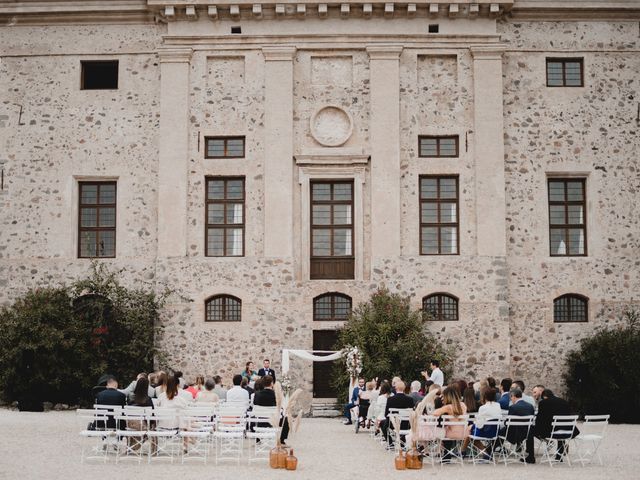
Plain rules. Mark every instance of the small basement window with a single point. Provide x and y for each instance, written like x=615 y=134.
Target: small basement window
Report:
x=434 y=28
x=99 y=75
x=236 y=29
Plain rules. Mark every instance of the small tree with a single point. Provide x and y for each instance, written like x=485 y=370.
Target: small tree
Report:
x=55 y=342
x=392 y=339
x=603 y=376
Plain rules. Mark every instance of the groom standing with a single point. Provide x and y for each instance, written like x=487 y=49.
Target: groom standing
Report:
x=267 y=370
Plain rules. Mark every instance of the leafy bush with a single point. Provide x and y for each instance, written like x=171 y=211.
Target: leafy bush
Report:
x=392 y=339
x=55 y=342
x=603 y=375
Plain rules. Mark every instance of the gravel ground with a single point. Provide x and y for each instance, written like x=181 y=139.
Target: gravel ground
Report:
x=47 y=446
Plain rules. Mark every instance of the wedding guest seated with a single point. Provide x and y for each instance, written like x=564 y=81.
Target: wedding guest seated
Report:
x=521 y=408
x=536 y=393
x=489 y=410
x=245 y=384
x=505 y=385
x=132 y=386
x=454 y=407
x=237 y=393
x=493 y=384
x=171 y=398
x=162 y=381
x=381 y=402
x=364 y=398
x=111 y=396
x=354 y=400
x=399 y=400
x=549 y=406
x=527 y=398
x=195 y=387
x=433 y=398
x=181 y=381
x=266 y=397
x=469 y=399
x=141 y=395
x=415 y=392
x=219 y=388
x=208 y=395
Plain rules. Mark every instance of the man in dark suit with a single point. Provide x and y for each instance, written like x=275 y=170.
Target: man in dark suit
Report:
x=267 y=398
x=399 y=400
x=111 y=396
x=520 y=408
x=267 y=370
x=549 y=406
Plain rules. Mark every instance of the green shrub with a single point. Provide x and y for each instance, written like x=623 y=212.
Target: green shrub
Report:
x=603 y=376
x=392 y=339
x=56 y=342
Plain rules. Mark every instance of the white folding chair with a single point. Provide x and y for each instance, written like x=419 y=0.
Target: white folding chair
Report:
x=514 y=437
x=451 y=444
x=484 y=454
x=429 y=437
x=398 y=437
x=96 y=434
x=196 y=430
x=229 y=443
x=261 y=431
x=131 y=433
x=163 y=434
x=588 y=442
x=556 y=446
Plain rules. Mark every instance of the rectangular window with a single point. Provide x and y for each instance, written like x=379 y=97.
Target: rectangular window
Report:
x=224 y=147
x=99 y=75
x=438 y=146
x=565 y=72
x=439 y=222
x=97 y=220
x=225 y=217
x=332 y=254
x=567 y=219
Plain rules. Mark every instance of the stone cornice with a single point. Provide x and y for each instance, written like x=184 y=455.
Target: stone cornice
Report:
x=46 y=12
x=279 y=53
x=175 y=55
x=384 y=52
x=576 y=10
x=487 y=52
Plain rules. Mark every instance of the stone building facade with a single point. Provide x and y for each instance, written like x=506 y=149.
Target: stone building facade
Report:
x=263 y=157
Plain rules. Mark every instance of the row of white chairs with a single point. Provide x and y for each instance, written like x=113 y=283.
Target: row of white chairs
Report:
x=506 y=440
x=133 y=433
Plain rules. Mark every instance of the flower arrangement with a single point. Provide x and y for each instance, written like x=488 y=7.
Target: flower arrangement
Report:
x=286 y=384
x=353 y=361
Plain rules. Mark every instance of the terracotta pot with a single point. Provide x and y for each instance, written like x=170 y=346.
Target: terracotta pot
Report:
x=414 y=459
x=277 y=457
x=282 y=458
x=401 y=461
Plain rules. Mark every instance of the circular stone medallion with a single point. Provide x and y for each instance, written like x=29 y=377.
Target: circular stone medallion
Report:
x=331 y=126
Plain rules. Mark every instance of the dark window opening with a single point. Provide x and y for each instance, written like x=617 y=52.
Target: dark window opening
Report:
x=434 y=28
x=236 y=29
x=440 y=307
x=570 y=308
x=331 y=307
x=223 y=308
x=99 y=75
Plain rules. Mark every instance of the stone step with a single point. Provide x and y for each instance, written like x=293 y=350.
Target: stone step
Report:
x=325 y=407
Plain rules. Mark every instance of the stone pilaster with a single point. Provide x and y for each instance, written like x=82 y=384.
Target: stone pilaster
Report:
x=278 y=164
x=173 y=159
x=489 y=150
x=385 y=150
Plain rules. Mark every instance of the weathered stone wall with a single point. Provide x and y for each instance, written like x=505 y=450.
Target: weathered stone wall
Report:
x=591 y=132
x=506 y=325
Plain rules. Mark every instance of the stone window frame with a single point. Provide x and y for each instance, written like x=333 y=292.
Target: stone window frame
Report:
x=344 y=166
x=225 y=226
x=332 y=260
x=566 y=203
x=225 y=140
x=567 y=318
x=98 y=206
x=85 y=63
x=563 y=61
x=443 y=302
x=439 y=224
x=230 y=306
x=333 y=296
x=438 y=139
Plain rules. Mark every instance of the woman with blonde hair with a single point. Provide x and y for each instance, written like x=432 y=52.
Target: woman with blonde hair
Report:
x=430 y=397
x=454 y=407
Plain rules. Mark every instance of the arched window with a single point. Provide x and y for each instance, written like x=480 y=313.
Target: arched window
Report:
x=331 y=306
x=223 y=308
x=440 y=307
x=571 y=308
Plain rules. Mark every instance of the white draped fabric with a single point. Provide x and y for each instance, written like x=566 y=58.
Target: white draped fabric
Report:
x=308 y=355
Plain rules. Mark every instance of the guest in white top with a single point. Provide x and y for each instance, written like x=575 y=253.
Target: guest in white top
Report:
x=237 y=393
x=489 y=410
x=170 y=398
x=381 y=402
